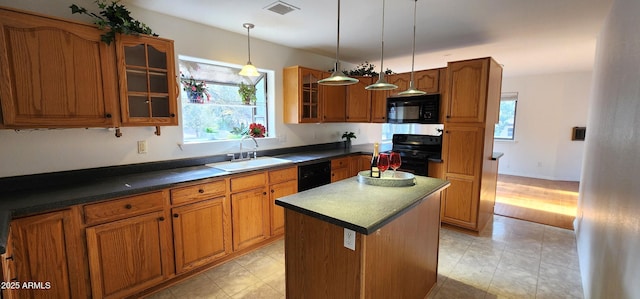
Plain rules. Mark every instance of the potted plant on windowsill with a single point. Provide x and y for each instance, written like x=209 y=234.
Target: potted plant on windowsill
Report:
x=247 y=93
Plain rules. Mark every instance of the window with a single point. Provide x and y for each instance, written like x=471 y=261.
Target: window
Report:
x=422 y=129
x=219 y=112
x=505 y=128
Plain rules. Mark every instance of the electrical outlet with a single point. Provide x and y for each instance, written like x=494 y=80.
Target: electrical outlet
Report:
x=142 y=147
x=349 y=239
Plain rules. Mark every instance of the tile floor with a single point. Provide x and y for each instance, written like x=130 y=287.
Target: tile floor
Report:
x=509 y=259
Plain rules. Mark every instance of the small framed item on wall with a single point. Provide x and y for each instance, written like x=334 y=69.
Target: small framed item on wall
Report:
x=578 y=133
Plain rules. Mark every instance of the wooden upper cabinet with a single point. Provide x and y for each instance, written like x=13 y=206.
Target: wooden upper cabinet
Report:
x=302 y=101
x=148 y=86
x=427 y=80
x=55 y=73
x=334 y=100
x=379 y=106
x=401 y=80
x=467 y=90
x=359 y=101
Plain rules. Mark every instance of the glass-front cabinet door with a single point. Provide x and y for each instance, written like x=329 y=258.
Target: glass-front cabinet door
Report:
x=148 y=89
x=310 y=99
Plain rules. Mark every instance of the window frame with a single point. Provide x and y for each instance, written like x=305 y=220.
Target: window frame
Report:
x=269 y=106
x=507 y=97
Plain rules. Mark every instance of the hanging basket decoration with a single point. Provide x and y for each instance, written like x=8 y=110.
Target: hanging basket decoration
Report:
x=196 y=90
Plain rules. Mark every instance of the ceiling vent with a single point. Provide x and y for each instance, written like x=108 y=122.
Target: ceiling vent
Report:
x=281 y=8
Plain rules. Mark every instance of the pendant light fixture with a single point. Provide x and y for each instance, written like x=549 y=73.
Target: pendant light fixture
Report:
x=412 y=91
x=338 y=77
x=249 y=69
x=381 y=84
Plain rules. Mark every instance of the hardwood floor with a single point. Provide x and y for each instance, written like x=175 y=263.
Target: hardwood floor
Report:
x=543 y=201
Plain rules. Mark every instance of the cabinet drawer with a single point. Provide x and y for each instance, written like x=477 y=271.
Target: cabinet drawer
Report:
x=197 y=192
x=339 y=163
x=283 y=175
x=123 y=208
x=248 y=182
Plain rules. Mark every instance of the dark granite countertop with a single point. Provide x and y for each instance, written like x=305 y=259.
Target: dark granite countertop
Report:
x=55 y=191
x=19 y=197
x=360 y=207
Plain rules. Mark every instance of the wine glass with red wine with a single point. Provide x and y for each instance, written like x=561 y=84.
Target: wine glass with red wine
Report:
x=395 y=161
x=383 y=163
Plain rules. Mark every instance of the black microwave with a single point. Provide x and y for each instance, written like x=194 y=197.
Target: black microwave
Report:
x=422 y=109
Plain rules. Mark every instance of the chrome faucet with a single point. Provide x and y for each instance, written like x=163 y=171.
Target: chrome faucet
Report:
x=255 y=150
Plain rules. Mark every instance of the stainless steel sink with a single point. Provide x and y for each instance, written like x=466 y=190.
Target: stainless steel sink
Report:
x=260 y=162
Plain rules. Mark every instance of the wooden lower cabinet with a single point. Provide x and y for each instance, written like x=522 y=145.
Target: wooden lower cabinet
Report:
x=45 y=249
x=282 y=182
x=360 y=163
x=277 y=212
x=460 y=202
x=130 y=255
x=340 y=169
x=130 y=246
x=201 y=233
x=250 y=214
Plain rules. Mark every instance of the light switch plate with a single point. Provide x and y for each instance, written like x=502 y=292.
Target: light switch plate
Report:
x=142 y=147
x=349 y=239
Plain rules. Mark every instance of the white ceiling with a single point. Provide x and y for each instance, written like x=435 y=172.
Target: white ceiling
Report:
x=526 y=36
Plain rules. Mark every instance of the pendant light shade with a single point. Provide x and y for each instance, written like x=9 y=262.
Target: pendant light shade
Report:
x=412 y=91
x=338 y=77
x=249 y=69
x=381 y=84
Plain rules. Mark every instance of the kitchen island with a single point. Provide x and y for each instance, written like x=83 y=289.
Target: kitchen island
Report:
x=393 y=233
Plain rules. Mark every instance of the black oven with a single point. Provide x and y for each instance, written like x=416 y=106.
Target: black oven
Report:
x=416 y=150
x=422 y=109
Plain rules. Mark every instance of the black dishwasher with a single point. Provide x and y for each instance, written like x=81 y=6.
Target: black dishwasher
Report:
x=314 y=175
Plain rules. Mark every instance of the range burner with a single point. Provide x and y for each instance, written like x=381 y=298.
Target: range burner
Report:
x=415 y=150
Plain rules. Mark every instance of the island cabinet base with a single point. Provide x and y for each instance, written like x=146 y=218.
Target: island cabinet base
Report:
x=400 y=260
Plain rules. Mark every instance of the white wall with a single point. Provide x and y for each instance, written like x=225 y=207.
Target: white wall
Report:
x=549 y=106
x=608 y=224
x=39 y=151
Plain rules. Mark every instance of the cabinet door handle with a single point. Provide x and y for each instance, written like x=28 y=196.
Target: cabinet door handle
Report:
x=108 y=115
x=128 y=206
x=272 y=191
x=161 y=218
x=264 y=193
x=173 y=115
x=9 y=258
x=176 y=215
x=200 y=190
x=14 y=279
x=448 y=116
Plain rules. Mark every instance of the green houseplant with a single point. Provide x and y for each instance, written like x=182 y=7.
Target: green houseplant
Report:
x=247 y=93
x=114 y=17
x=348 y=136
